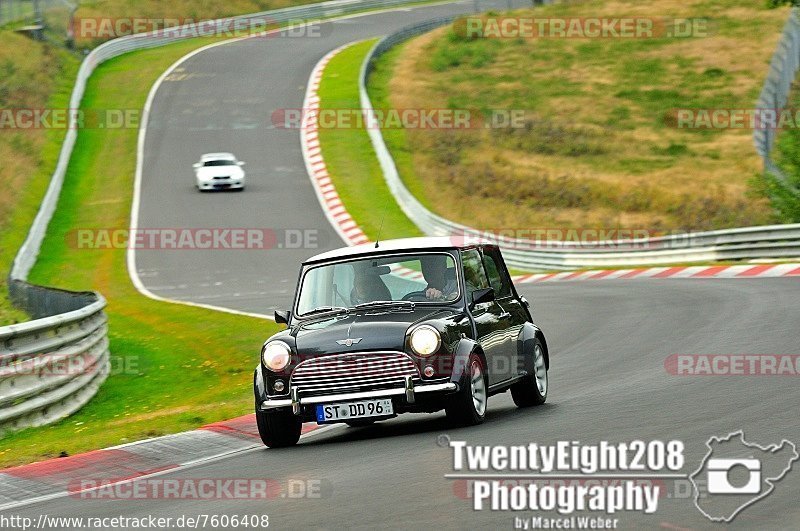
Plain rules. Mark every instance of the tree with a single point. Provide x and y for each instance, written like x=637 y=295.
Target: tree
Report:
x=779 y=3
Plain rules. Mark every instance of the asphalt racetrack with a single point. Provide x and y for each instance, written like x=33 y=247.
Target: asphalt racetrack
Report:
x=609 y=340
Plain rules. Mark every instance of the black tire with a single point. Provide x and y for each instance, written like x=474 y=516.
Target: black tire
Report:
x=461 y=407
x=532 y=390
x=278 y=428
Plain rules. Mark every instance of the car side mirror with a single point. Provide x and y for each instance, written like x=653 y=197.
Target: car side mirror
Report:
x=482 y=295
x=282 y=317
x=196 y=165
x=240 y=163
x=525 y=301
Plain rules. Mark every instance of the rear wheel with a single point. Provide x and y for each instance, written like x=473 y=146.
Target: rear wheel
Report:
x=468 y=406
x=532 y=390
x=278 y=428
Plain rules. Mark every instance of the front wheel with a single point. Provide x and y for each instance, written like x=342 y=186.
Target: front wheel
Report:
x=532 y=390
x=468 y=406
x=278 y=428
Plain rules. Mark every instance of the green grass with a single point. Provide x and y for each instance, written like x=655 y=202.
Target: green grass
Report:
x=348 y=153
x=185 y=366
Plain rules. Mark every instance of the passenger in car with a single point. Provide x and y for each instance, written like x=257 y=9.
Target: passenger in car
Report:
x=368 y=287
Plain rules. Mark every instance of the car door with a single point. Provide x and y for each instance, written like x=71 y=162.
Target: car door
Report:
x=489 y=326
x=512 y=313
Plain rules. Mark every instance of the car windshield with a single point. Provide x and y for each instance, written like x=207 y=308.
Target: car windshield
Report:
x=393 y=280
x=219 y=162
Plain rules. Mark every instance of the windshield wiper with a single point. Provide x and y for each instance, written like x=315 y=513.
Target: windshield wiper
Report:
x=377 y=304
x=325 y=309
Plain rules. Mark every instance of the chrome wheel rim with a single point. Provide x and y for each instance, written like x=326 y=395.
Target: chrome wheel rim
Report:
x=478 y=388
x=540 y=370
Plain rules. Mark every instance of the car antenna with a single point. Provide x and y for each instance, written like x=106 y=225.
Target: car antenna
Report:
x=380 y=229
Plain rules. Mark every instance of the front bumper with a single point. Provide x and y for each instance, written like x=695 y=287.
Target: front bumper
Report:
x=409 y=390
x=221 y=184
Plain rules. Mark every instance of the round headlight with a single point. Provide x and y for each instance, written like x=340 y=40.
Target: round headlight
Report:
x=425 y=340
x=276 y=355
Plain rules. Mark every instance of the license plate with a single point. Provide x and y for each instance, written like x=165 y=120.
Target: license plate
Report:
x=354 y=410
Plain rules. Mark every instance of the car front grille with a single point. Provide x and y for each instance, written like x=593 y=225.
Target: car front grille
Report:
x=349 y=373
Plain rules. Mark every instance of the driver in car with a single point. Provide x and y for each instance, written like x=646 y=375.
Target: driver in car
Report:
x=434 y=270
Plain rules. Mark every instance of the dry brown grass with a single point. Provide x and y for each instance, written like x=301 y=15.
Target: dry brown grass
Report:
x=598 y=149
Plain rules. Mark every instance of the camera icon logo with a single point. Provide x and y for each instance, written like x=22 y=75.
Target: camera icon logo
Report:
x=735 y=474
x=718 y=477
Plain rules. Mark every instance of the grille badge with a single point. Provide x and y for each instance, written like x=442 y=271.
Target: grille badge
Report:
x=350 y=341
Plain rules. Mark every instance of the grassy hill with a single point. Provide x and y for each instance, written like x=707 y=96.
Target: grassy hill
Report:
x=599 y=146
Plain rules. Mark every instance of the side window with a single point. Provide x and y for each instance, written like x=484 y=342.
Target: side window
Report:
x=498 y=278
x=474 y=275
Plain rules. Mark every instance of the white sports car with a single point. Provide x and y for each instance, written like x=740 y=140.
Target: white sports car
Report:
x=219 y=171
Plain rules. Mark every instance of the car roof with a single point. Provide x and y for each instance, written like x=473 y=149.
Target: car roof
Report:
x=218 y=156
x=428 y=243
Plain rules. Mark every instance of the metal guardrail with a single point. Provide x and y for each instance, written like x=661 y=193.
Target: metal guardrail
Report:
x=53 y=365
x=50 y=367
x=775 y=94
x=775 y=241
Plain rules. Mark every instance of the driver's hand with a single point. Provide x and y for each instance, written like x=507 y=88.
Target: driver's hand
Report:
x=433 y=293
